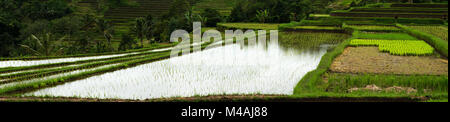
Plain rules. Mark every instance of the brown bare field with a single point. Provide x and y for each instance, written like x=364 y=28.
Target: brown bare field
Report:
x=371 y=60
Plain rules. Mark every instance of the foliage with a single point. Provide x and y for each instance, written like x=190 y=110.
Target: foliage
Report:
x=126 y=43
x=179 y=7
x=43 y=46
x=376 y=28
x=439 y=44
x=344 y=82
x=279 y=11
x=213 y=17
x=438 y=31
x=310 y=39
x=49 y=10
x=149 y=24
x=105 y=28
x=386 y=36
x=245 y=26
x=262 y=15
x=140 y=29
x=397 y=47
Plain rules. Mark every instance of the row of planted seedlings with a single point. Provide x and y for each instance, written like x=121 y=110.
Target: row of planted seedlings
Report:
x=439 y=44
x=397 y=47
x=25 y=68
x=376 y=28
x=42 y=66
x=337 y=83
x=312 y=83
x=89 y=55
x=49 y=72
x=386 y=85
x=23 y=87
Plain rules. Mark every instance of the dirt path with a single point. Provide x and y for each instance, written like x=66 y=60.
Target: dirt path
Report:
x=371 y=60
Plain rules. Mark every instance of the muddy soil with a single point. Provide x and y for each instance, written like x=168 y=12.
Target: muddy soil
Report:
x=371 y=60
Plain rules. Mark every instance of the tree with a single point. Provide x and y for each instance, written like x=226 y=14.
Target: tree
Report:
x=262 y=15
x=105 y=5
x=68 y=25
x=9 y=35
x=126 y=43
x=105 y=28
x=238 y=13
x=49 y=10
x=149 y=23
x=213 y=17
x=179 y=7
x=44 y=46
x=140 y=29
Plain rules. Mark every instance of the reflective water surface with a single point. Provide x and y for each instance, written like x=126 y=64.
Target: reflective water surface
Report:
x=231 y=69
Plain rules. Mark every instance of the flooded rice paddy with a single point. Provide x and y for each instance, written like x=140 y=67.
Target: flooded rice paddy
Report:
x=232 y=69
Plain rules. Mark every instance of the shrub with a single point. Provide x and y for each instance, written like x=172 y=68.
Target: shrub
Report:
x=213 y=17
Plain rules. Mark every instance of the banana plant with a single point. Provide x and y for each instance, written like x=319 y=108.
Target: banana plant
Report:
x=44 y=45
x=262 y=15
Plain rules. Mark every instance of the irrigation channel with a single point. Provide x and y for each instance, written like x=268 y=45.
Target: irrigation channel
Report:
x=232 y=69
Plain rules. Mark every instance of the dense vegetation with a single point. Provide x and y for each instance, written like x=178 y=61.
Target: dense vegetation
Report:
x=36 y=36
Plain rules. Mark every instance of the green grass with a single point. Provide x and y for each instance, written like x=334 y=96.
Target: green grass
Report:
x=376 y=28
x=438 y=31
x=223 y=6
x=343 y=82
x=313 y=86
x=147 y=47
x=397 y=47
x=244 y=26
x=437 y=43
x=310 y=39
x=47 y=72
x=386 y=36
x=317 y=27
x=55 y=81
x=310 y=83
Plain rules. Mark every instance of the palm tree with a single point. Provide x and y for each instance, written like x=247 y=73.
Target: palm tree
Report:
x=43 y=47
x=107 y=29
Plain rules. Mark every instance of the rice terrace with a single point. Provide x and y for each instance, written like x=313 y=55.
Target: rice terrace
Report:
x=224 y=50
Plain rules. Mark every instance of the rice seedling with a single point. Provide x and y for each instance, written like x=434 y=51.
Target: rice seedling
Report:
x=438 y=43
x=438 y=31
x=54 y=76
x=319 y=15
x=5 y=64
x=375 y=28
x=397 y=47
x=386 y=36
x=256 y=26
x=310 y=39
x=60 y=64
x=231 y=69
x=153 y=47
x=318 y=27
x=344 y=82
x=49 y=72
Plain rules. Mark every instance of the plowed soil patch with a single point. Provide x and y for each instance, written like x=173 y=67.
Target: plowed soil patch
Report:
x=371 y=60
